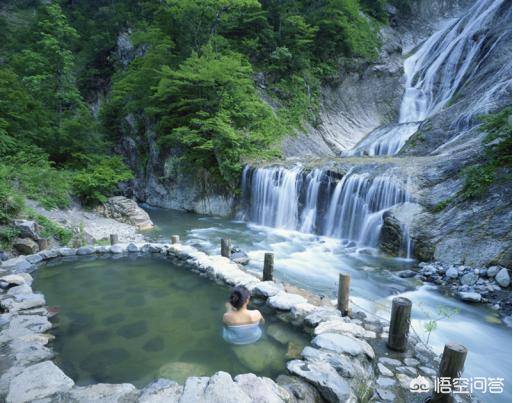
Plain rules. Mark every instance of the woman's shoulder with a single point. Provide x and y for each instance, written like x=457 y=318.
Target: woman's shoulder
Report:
x=255 y=314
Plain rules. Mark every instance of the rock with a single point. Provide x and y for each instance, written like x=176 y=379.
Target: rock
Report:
x=67 y=251
x=468 y=279
x=18 y=264
x=390 y=235
x=344 y=344
x=323 y=313
x=384 y=370
x=406 y=370
x=34 y=259
x=324 y=377
x=13 y=279
x=284 y=334
x=411 y=362
x=26 y=228
x=285 y=301
x=406 y=273
x=386 y=395
x=492 y=271
x=389 y=361
x=161 y=391
x=502 y=278
x=103 y=393
x=428 y=371
x=343 y=364
x=452 y=272
x=23 y=301
x=117 y=249
x=299 y=390
x=132 y=248
x=20 y=289
x=239 y=256
x=404 y=381
x=266 y=289
x=179 y=371
x=302 y=310
x=127 y=211
x=86 y=250
x=259 y=356
x=469 y=296
x=385 y=382
x=220 y=388
x=49 y=253
x=24 y=325
x=38 y=381
x=262 y=390
x=340 y=326
x=155 y=248
x=101 y=249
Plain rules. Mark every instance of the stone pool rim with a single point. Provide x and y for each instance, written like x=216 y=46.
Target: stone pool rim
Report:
x=330 y=329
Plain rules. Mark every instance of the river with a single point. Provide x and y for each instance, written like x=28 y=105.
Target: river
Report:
x=313 y=262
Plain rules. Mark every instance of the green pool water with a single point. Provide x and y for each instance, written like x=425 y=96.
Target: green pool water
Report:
x=134 y=319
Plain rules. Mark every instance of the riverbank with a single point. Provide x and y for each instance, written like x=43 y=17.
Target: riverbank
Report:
x=344 y=352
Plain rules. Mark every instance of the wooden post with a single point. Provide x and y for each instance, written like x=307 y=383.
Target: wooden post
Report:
x=226 y=247
x=451 y=366
x=268 y=267
x=175 y=239
x=42 y=243
x=114 y=239
x=399 y=324
x=344 y=280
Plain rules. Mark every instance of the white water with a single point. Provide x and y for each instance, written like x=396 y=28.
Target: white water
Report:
x=313 y=202
x=433 y=75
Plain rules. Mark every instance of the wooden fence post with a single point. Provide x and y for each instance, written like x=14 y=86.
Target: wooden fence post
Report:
x=344 y=279
x=268 y=267
x=226 y=247
x=175 y=239
x=399 y=324
x=451 y=366
x=114 y=239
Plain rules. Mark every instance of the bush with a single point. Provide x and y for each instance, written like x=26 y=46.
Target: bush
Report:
x=7 y=235
x=50 y=228
x=11 y=203
x=94 y=184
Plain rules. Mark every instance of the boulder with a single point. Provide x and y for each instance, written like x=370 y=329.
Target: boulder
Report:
x=262 y=390
x=452 y=272
x=86 y=250
x=390 y=235
x=125 y=210
x=13 y=279
x=103 y=393
x=502 y=278
x=37 y=382
x=342 y=363
x=117 y=249
x=470 y=296
x=34 y=259
x=389 y=361
x=469 y=279
x=299 y=390
x=49 y=253
x=237 y=255
x=328 y=382
x=220 y=388
x=18 y=265
x=492 y=271
x=384 y=370
x=132 y=248
x=27 y=228
x=302 y=310
x=161 y=391
x=24 y=325
x=285 y=301
x=343 y=344
x=340 y=326
x=25 y=246
x=67 y=251
x=23 y=301
x=266 y=289
x=284 y=334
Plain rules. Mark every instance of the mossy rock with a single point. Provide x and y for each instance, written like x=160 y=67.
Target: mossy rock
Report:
x=260 y=356
x=179 y=371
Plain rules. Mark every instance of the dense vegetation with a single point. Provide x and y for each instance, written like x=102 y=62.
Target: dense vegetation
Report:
x=191 y=74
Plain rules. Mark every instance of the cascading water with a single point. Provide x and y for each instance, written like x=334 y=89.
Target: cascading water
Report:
x=313 y=202
x=433 y=75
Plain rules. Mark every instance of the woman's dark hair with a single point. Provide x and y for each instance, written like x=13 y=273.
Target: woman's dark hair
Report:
x=239 y=296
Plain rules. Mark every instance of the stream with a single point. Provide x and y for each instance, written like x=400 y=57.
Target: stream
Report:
x=313 y=262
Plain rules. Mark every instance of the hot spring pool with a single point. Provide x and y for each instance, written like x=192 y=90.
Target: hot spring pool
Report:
x=136 y=318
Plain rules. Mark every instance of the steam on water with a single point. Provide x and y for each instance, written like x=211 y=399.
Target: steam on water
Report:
x=433 y=75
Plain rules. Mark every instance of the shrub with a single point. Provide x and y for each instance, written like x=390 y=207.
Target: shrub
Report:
x=94 y=184
x=11 y=203
x=49 y=228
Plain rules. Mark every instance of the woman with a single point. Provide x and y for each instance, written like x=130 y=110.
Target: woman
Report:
x=241 y=324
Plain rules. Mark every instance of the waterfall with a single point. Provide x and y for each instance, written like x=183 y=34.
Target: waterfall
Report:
x=433 y=75
x=313 y=202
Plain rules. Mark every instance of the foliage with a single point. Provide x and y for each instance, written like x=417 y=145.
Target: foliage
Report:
x=442 y=205
x=7 y=235
x=479 y=177
x=363 y=389
x=94 y=183
x=50 y=228
x=210 y=109
x=443 y=312
x=11 y=203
